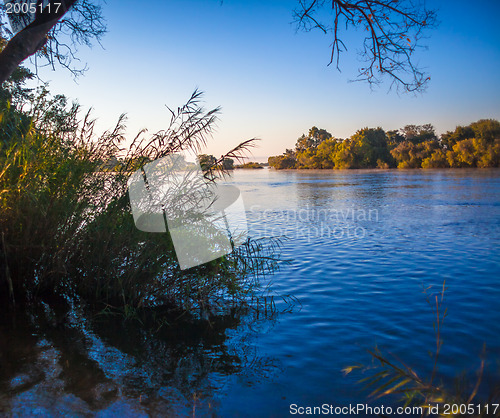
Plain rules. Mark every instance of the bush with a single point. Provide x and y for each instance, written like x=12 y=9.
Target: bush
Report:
x=65 y=219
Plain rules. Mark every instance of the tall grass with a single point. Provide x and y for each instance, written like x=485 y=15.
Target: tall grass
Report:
x=66 y=225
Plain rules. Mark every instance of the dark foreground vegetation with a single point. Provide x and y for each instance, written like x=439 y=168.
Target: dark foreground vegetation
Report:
x=414 y=146
x=66 y=228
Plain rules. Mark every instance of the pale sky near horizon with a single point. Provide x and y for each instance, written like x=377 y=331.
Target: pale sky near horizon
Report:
x=271 y=81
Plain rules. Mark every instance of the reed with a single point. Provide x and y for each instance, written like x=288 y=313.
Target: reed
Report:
x=65 y=219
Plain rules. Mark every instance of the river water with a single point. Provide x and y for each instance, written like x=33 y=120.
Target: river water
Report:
x=362 y=244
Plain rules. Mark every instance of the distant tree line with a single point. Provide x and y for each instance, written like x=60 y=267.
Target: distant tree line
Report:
x=251 y=164
x=208 y=161
x=414 y=146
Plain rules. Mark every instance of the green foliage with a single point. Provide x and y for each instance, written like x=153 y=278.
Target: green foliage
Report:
x=285 y=161
x=475 y=152
x=308 y=159
x=486 y=129
x=312 y=140
x=66 y=224
x=449 y=139
x=251 y=165
x=228 y=164
x=209 y=162
x=436 y=160
x=367 y=148
x=394 y=138
x=206 y=161
x=463 y=154
x=418 y=133
x=424 y=154
x=13 y=89
x=371 y=147
x=326 y=151
x=414 y=146
x=346 y=154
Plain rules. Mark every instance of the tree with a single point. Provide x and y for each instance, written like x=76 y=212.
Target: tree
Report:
x=47 y=31
x=406 y=156
x=475 y=152
x=463 y=154
x=394 y=138
x=206 y=161
x=437 y=157
x=487 y=129
x=449 y=139
x=313 y=139
x=325 y=152
x=394 y=29
x=419 y=133
x=13 y=89
x=284 y=161
x=427 y=154
x=414 y=146
x=372 y=147
x=347 y=154
x=228 y=164
x=308 y=159
x=436 y=160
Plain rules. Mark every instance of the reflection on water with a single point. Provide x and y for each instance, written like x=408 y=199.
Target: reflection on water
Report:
x=59 y=363
x=355 y=292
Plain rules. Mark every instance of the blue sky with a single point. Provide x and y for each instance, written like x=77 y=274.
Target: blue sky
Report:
x=271 y=81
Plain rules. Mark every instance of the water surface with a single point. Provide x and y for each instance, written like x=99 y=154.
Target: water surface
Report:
x=362 y=244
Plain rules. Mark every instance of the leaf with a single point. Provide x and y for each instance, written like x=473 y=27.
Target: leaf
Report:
x=347 y=370
x=382 y=387
x=394 y=388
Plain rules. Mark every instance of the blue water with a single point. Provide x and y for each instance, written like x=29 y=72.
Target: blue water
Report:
x=360 y=279
x=361 y=246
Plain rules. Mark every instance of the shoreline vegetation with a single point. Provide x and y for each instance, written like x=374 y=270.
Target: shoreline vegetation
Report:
x=67 y=234
x=252 y=165
x=476 y=145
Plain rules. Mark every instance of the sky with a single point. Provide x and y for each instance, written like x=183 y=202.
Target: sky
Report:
x=273 y=82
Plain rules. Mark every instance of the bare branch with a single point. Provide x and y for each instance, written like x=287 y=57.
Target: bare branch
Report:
x=395 y=29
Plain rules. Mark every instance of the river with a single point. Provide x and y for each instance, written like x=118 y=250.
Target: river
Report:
x=362 y=244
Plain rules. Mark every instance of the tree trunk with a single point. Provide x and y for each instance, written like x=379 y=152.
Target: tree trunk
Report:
x=29 y=40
